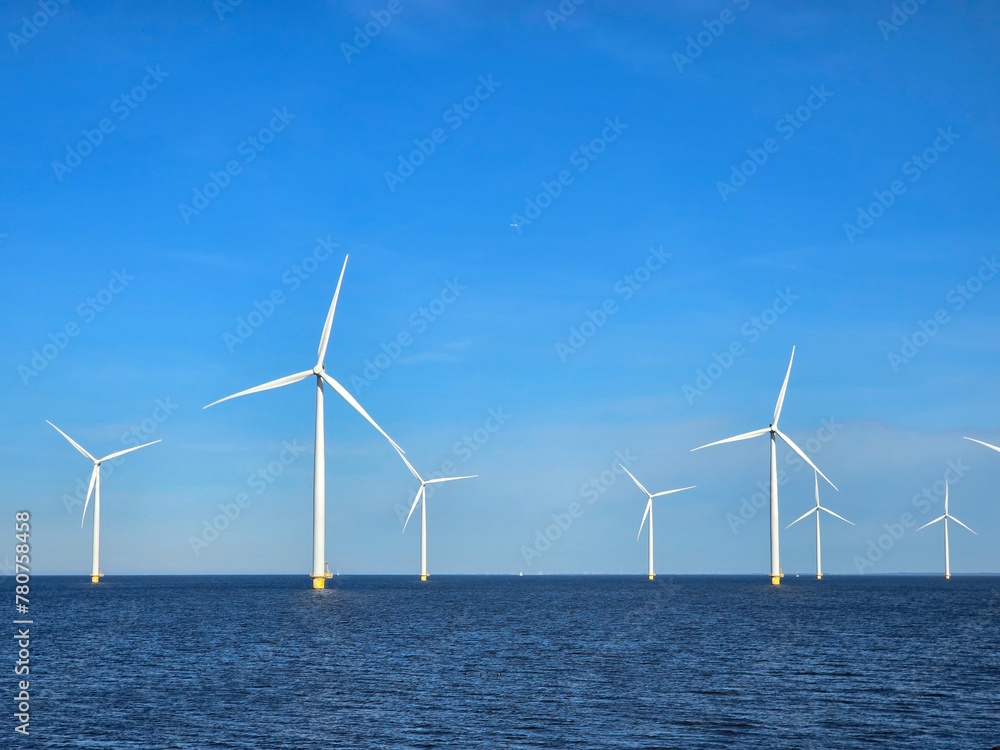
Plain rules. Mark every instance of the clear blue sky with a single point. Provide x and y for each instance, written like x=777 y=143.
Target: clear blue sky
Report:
x=835 y=107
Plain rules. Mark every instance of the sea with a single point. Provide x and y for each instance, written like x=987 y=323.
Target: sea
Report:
x=205 y=662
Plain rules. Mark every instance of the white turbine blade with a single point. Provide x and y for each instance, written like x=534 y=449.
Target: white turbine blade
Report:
x=71 y=440
x=449 y=479
x=961 y=524
x=128 y=450
x=287 y=380
x=804 y=515
x=93 y=479
x=409 y=466
x=649 y=508
x=834 y=514
x=325 y=338
x=415 y=501
x=634 y=479
x=784 y=387
x=939 y=518
x=671 y=492
x=794 y=447
x=353 y=402
x=744 y=436
x=816 y=482
x=973 y=440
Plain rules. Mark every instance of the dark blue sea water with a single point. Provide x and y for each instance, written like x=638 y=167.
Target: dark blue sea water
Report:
x=498 y=662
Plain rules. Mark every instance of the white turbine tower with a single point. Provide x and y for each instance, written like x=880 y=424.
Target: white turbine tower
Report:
x=95 y=487
x=947 y=517
x=422 y=499
x=649 y=512
x=319 y=573
x=774 y=433
x=816 y=510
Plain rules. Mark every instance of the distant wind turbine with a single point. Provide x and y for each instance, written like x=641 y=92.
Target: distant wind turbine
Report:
x=95 y=487
x=775 y=433
x=816 y=510
x=649 y=512
x=946 y=517
x=422 y=499
x=319 y=573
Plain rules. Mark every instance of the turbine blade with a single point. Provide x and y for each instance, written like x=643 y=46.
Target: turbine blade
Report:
x=816 y=482
x=287 y=380
x=671 y=492
x=325 y=338
x=794 y=447
x=634 y=479
x=128 y=450
x=72 y=441
x=804 y=515
x=353 y=402
x=415 y=501
x=961 y=524
x=449 y=479
x=93 y=480
x=409 y=465
x=939 y=518
x=744 y=436
x=649 y=509
x=784 y=387
x=834 y=514
x=976 y=441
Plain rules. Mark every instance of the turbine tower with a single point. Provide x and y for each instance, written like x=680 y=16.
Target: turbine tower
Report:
x=816 y=510
x=946 y=517
x=422 y=499
x=319 y=573
x=774 y=433
x=95 y=487
x=649 y=512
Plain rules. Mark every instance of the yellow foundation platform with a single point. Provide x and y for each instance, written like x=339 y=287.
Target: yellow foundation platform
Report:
x=652 y=576
x=423 y=578
x=775 y=580
x=819 y=576
x=95 y=579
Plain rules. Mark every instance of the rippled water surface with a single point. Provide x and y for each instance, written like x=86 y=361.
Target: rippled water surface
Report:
x=497 y=662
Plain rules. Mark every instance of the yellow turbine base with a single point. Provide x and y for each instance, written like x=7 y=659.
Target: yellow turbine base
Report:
x=775 y=580
x=652 y=576
x=423 y=577
x=947 y=576
x=319 y=583
x=819 y=576
x=95 y=579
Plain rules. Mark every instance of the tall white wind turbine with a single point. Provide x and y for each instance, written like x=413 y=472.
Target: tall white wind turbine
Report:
x=95 y=487
x=649 y=512
x=422 y=499
x=774 y=433
x=319 y=573
x=816 y=510
x=947 y=517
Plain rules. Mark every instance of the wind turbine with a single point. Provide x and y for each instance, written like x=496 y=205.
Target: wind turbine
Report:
x=95 y=487
x=816 y=510
x=946 y=517
x=774 y=433
x=422 y=499
x=649 y=512
x=319 y=573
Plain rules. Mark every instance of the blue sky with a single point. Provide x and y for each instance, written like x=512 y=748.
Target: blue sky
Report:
x=729 y=168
